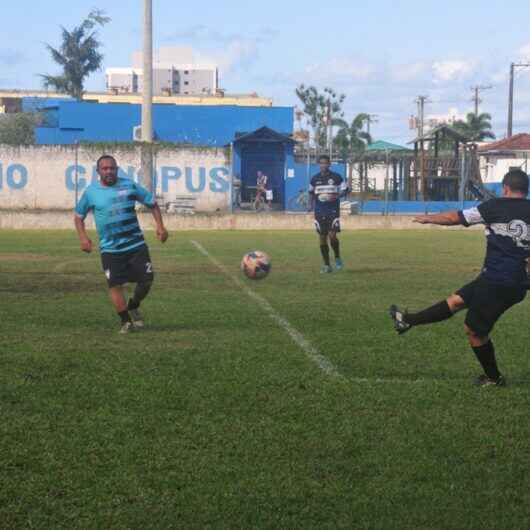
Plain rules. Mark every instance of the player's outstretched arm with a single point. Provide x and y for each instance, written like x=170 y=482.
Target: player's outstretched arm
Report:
x=84 y=240
x=446 y=218
x=161 y=232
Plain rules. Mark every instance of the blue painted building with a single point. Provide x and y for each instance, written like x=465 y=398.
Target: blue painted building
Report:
x=68 y=122
x=261 y=136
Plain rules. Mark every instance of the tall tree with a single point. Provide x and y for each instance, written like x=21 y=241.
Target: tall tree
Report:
x=475 y=128
x=78 y=55
x=322 y=109
x=351 y=140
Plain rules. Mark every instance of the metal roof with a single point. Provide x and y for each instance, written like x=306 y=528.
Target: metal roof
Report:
x=382 y=145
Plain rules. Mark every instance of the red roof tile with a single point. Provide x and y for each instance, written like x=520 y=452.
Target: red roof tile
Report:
x=518 y=142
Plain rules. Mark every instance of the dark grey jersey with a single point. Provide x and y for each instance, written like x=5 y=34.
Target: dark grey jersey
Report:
x=508 y=235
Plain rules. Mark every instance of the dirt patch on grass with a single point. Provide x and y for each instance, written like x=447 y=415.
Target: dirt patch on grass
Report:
x=23 y=256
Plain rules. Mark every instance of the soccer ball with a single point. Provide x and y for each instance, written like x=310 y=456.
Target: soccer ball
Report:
x=256 y=265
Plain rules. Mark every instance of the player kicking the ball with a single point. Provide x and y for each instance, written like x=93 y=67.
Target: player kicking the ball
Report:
x=503 y=280
x=124 y=254
x=326 y=189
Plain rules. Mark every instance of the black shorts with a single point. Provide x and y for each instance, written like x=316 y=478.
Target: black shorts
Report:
x=324 y=224
x=487 y=301
x=133 y=266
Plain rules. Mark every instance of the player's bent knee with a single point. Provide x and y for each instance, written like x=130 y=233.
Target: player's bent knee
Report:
x=475 y=339
x=455 y=303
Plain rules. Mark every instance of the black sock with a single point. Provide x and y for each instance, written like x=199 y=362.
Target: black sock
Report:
x=140 y=292
x=486 y=357
x=335 y=245
x=124 y=315
x=324 y=250
x=435 y=313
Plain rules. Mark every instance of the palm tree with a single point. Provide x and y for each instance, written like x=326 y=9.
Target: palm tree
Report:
x=78 y=56
x=476 y=128
x=351 y=140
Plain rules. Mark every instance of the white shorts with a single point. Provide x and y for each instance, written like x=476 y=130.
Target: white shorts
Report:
x=268 y=195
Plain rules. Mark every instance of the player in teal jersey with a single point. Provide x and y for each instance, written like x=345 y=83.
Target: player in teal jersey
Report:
x=124 y=253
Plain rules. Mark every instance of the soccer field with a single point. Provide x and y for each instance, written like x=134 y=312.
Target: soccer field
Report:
x=286 y=403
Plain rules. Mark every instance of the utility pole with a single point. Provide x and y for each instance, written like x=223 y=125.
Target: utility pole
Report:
x=476 y=99
x=421 y=119
x=372 y=118
x=513 y=66
x=421 y=113
x=147 y=98
x=330 y=130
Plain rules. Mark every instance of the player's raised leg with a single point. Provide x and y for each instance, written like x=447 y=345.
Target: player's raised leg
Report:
x=403 y=321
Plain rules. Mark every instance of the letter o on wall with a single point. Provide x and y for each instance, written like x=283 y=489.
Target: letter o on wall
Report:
x=17 y=176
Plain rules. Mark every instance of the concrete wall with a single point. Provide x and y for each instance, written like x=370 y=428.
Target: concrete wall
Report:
x=44 y=177
x=273 y=221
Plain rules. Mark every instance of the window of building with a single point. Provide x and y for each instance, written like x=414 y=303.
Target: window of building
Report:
x=186 y=82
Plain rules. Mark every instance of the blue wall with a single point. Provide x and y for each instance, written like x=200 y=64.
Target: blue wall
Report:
x=301 y=176
x=192 y=124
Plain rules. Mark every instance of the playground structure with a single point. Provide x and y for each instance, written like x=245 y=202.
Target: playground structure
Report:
x=443 y=166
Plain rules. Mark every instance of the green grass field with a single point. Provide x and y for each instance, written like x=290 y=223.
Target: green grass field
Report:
x=214 y=417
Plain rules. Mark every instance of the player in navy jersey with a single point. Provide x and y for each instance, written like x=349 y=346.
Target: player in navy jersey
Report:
x=503 y=281
x=124 y=253
x=326 y=189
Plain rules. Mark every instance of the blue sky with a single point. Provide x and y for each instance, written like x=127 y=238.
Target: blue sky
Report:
x=380 y=54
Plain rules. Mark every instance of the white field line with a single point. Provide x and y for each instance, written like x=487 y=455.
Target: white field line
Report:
x=312 y=353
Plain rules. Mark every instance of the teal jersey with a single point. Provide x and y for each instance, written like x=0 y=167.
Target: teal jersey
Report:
x=115 y=214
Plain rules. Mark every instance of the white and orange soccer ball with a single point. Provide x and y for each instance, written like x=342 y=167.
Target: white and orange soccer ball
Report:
x=256 y=265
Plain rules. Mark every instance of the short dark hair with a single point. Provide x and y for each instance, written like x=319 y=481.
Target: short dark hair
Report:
x=516 y=180
x=324 y=157
x=104 y=157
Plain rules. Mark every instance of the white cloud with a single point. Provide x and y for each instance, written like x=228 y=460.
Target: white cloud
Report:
x=452 y=70
x=237 y=54
x=229 y=51
x=338 y=70
x=409 y=72
x=524 y=52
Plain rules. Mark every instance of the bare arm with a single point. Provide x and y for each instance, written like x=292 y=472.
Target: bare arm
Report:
x=84 y=240
x=446 y=218
x=161 y=232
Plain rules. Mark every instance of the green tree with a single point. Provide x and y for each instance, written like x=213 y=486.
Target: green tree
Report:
x=351 y=140
x=475 y=128
x=78 y=55
x=322 y=110
x=19 y=128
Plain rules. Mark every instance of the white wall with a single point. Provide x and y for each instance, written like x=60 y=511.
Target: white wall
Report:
x=44 y=177
x=493 y=168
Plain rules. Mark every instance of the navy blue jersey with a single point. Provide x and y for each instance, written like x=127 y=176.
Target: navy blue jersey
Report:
x=327 y=190
x=508 y=234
